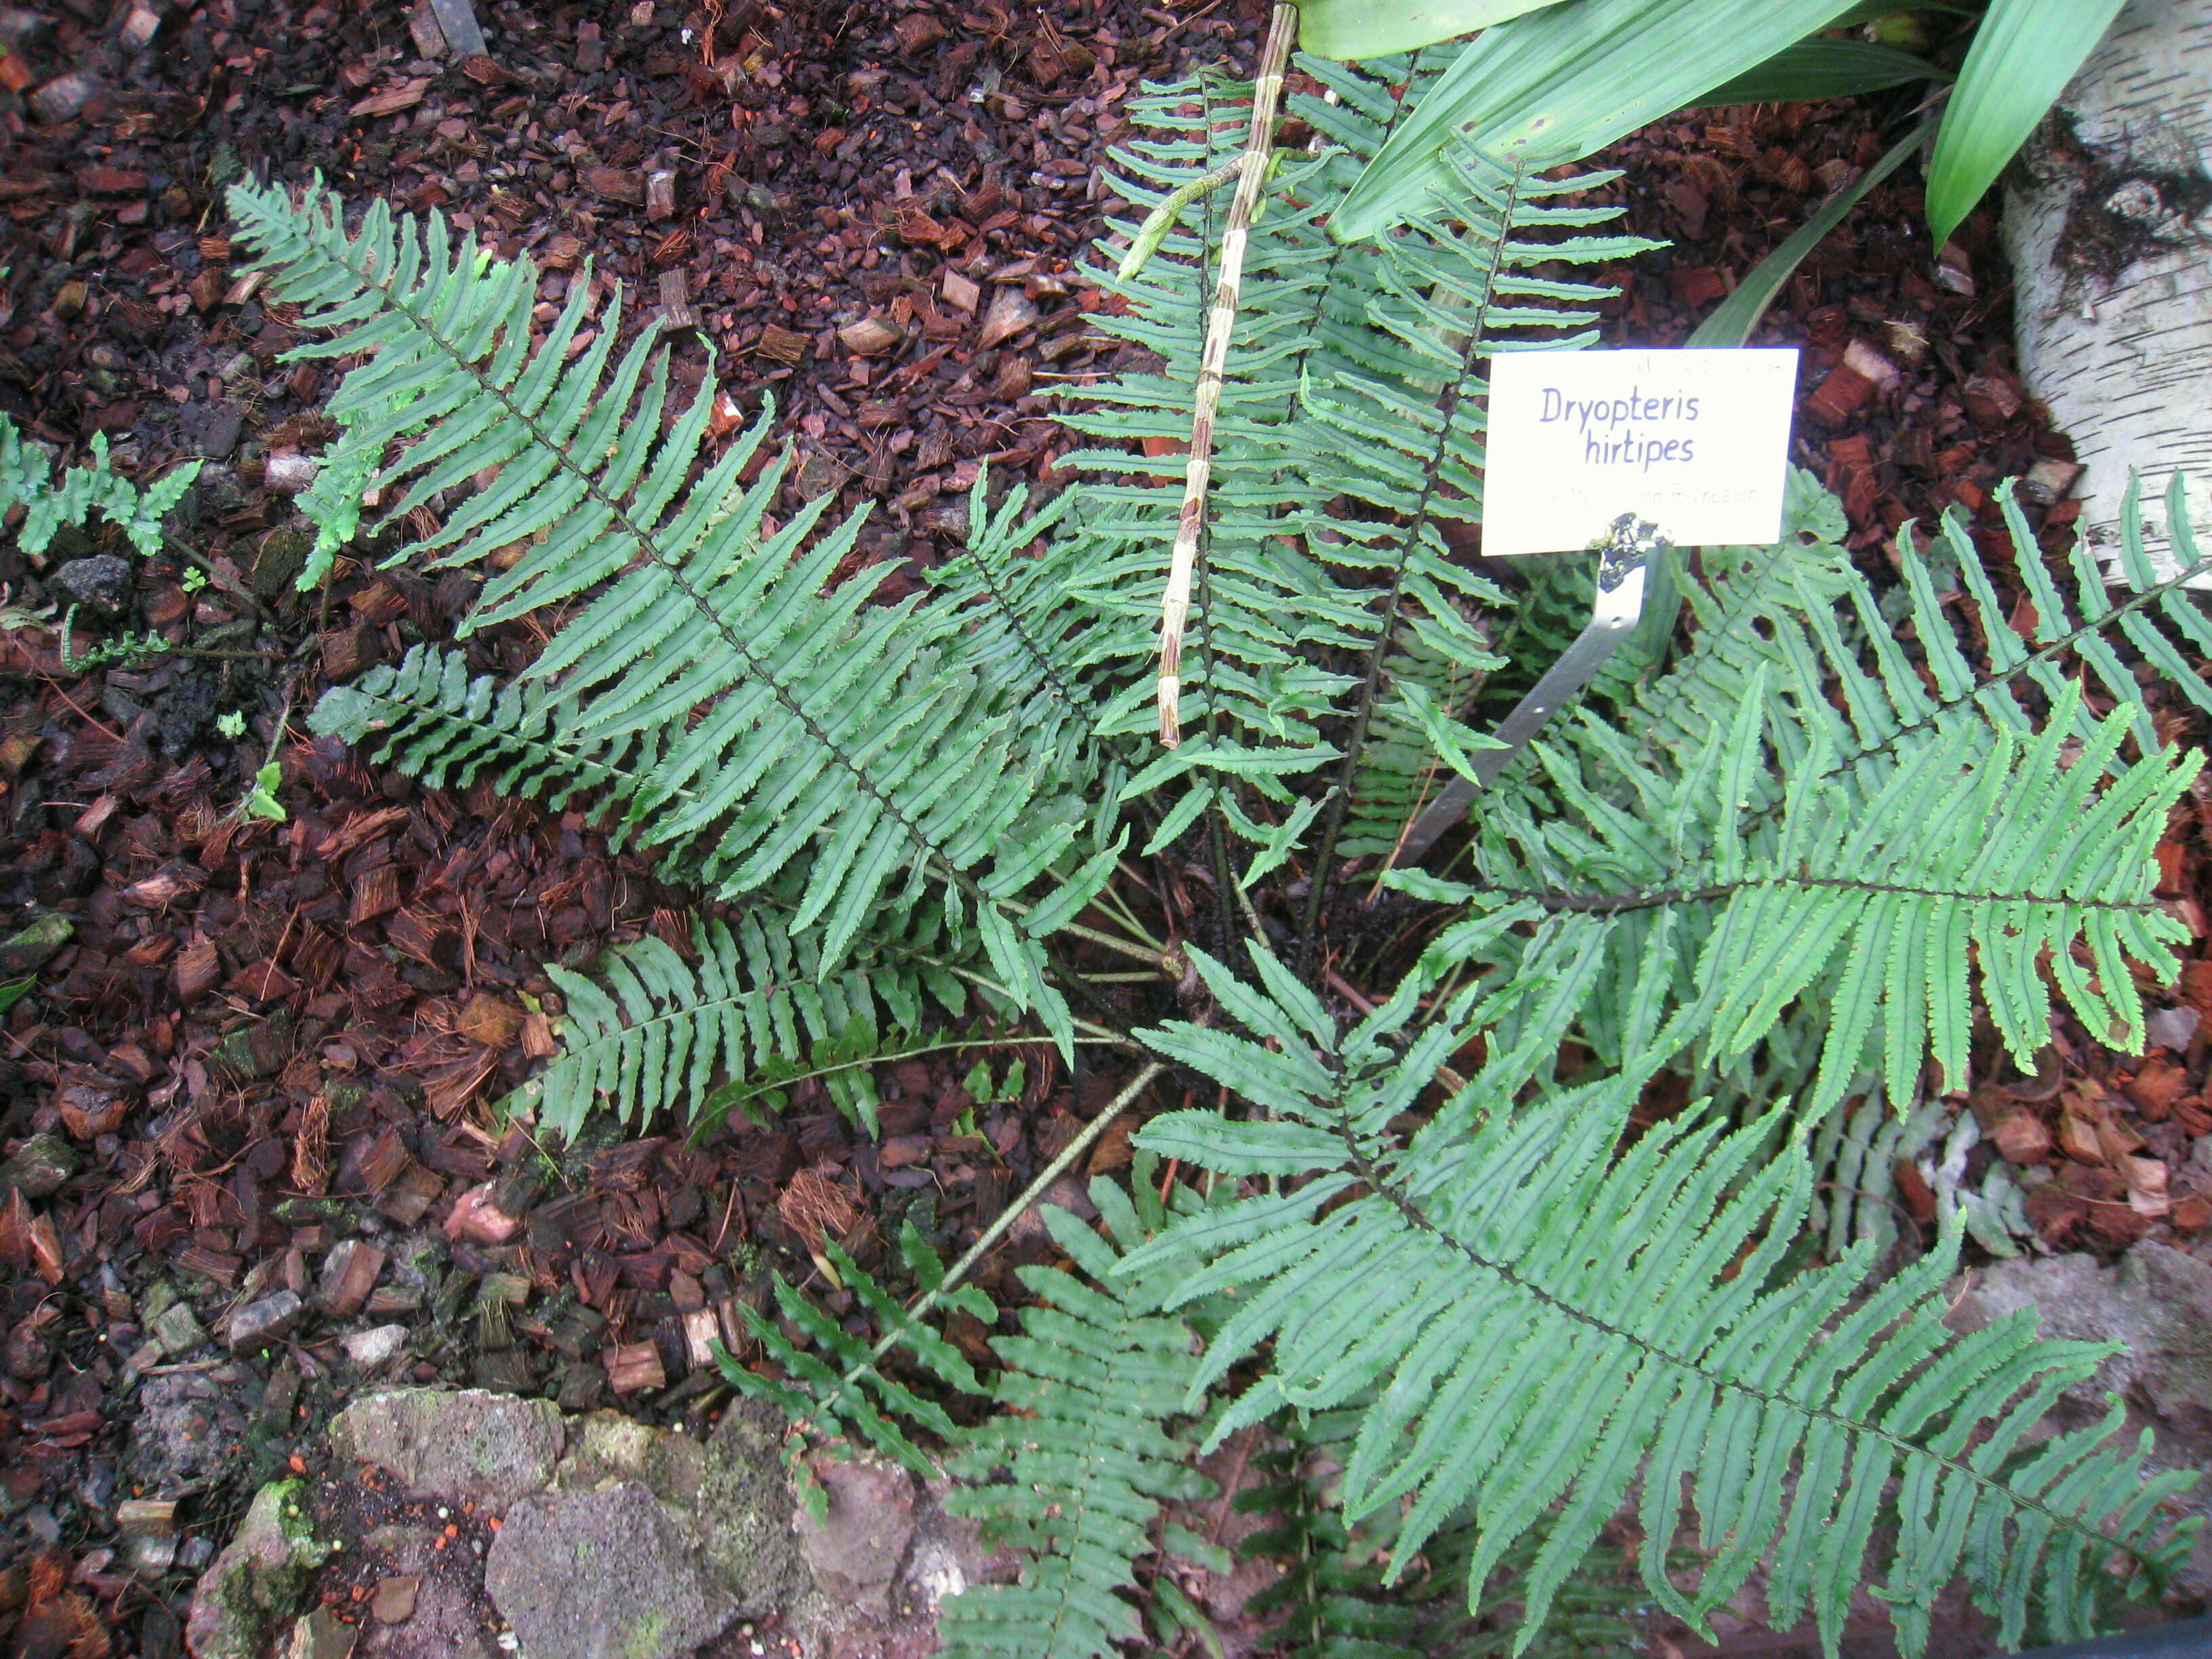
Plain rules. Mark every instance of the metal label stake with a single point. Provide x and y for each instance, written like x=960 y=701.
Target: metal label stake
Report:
x=1623 y=554
x=456 y=22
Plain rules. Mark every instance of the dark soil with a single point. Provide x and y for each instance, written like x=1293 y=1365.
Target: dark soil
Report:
x=268 y=1052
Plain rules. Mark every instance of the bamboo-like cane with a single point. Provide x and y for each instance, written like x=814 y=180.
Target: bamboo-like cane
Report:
x=1213 y=358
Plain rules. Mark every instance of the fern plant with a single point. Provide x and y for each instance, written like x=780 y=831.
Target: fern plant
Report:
x=1810 y=836
x=653 y=1032
x=27 y=481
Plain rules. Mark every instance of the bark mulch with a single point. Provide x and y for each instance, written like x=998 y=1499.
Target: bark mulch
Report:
x=252 y=1162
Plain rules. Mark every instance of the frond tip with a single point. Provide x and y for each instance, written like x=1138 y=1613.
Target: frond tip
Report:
x=1553 y=1322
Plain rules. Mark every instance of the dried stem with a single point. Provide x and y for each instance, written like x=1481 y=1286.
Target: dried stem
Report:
x=1259 y=141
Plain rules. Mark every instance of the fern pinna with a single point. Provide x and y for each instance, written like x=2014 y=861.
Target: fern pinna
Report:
x=752 y=1012
x=1792 y=850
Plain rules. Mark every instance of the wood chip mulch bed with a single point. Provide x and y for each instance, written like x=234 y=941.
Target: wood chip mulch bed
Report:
x=249 y=1100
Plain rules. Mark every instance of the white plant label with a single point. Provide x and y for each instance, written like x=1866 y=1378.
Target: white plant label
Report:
x=1695 y=440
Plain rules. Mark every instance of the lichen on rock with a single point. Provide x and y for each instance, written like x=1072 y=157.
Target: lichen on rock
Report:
x=745 y=1511
x=606 y=1574
x=254 y=1588
x=470 y=1446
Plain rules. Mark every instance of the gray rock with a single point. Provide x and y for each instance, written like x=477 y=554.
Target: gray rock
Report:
x=41 y=1167
x=395 y=1598
x=212 y=429
x=104 y=582
x=745 y=1511
x=35 y=944
x=855 y=1548
x=732 y=1494
x=2158 y=1302
x=253 y=1589
x=184 y=1434
x=376 y=1348
x=290 y=474
x=62 y=98
x=948 y=1554
x=583 y=1575
x=259 y=1323
x=466 y=1447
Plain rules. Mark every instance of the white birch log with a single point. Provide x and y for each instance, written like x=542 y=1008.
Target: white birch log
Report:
x=2108 y=223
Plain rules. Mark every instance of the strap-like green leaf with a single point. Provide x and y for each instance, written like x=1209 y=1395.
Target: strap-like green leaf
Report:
x=2023 y=53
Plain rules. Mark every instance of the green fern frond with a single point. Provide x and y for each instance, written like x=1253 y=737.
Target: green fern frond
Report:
x=649 y=1032
x=1555 y=1321
x=27 y=481
x=25 y=470
x=426 y=717
x=1349 y=434
x=1333 y=1602
x=2080 y=620
x=1885 y=899
x=1074 y=1468
x=836 y=1386
x=1910 y=677
x=1797 y=843
x=772 y=718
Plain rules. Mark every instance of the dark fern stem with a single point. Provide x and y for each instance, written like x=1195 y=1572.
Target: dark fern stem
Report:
x=1614 y=904
x=1019 y=627
x=1386 y=636
x=2051 y=652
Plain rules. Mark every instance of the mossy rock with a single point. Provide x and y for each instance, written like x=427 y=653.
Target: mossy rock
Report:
x=255 y=1587
x=609 y=1447
x=745 y=1511
x=469 y=1446
x=276 y=566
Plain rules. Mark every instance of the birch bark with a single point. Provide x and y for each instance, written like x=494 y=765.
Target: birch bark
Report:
x=2108 y=223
